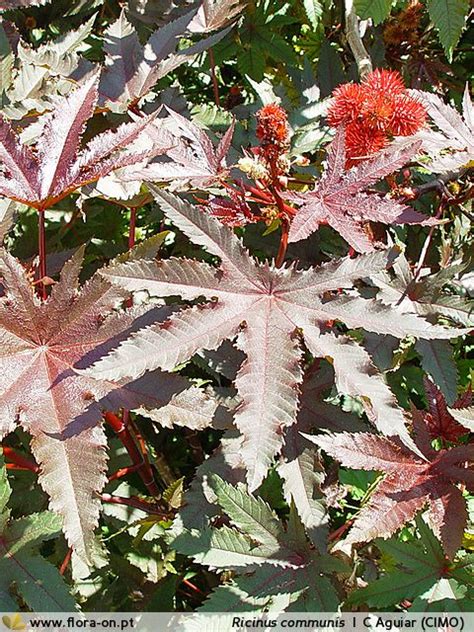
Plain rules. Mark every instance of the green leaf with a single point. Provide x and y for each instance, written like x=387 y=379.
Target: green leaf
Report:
x=30 y=531
x=377 y=10
x=251 y=515
x=330 y=69
x=314 y=11
x=228 y=598
x=275 y=589
x=413 y=569
x=285 y=572
x=445 y=596
x=358 y=480
x=209 y=115
x=5 y=493
x=302 y=479
x=38 y=582
x=449 y=18
x=173 y=494
x=146 y=249
x=220 y=548
x=251 y=61
x=437 y=360
x=6 y=61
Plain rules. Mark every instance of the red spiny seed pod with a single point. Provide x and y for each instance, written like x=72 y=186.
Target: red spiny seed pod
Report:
x=378 y=111
x=374 y=111
x=362 y=142
x=347 y=104
x=387 y=82
x=408 y=116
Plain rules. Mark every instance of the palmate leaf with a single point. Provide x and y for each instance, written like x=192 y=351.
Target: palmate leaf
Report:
x=193 y=161
x=338 y=199
x=409 y=485
x=284 y=583
x=451 y=146
x=417 y=566
x=132 y=70
x=41 y=342
x=279 y=559
x=44 y=72
x=42 y=176
x=59 y=57
x=266 y=307
x=37 y=581
x=299 y=468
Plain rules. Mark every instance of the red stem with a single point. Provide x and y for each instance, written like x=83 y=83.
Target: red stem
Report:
x=133 y=227
x=143 y=468
x=285 y=229
x=42 y=252
x=215 y=85
x=272 y=198
x=335 y=535
x=66 y=561
x=17 y=468
x=135 y=502
x=193 y=587
x=264 y=195
x=18 y=460
x=140 y=440
x=123 y=471
x=284 y=209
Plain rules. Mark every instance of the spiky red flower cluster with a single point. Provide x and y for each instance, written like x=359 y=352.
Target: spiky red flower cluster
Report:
x=272 y=132
x=373 y=111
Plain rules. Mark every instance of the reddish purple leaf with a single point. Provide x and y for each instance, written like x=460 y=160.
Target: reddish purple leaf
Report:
x=338 y=199
x=269 y=309
x=409 y=485
x=42 y=343
x=439 y=421
x=55 y=167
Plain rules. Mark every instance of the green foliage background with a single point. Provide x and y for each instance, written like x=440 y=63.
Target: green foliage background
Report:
x=277 y=50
